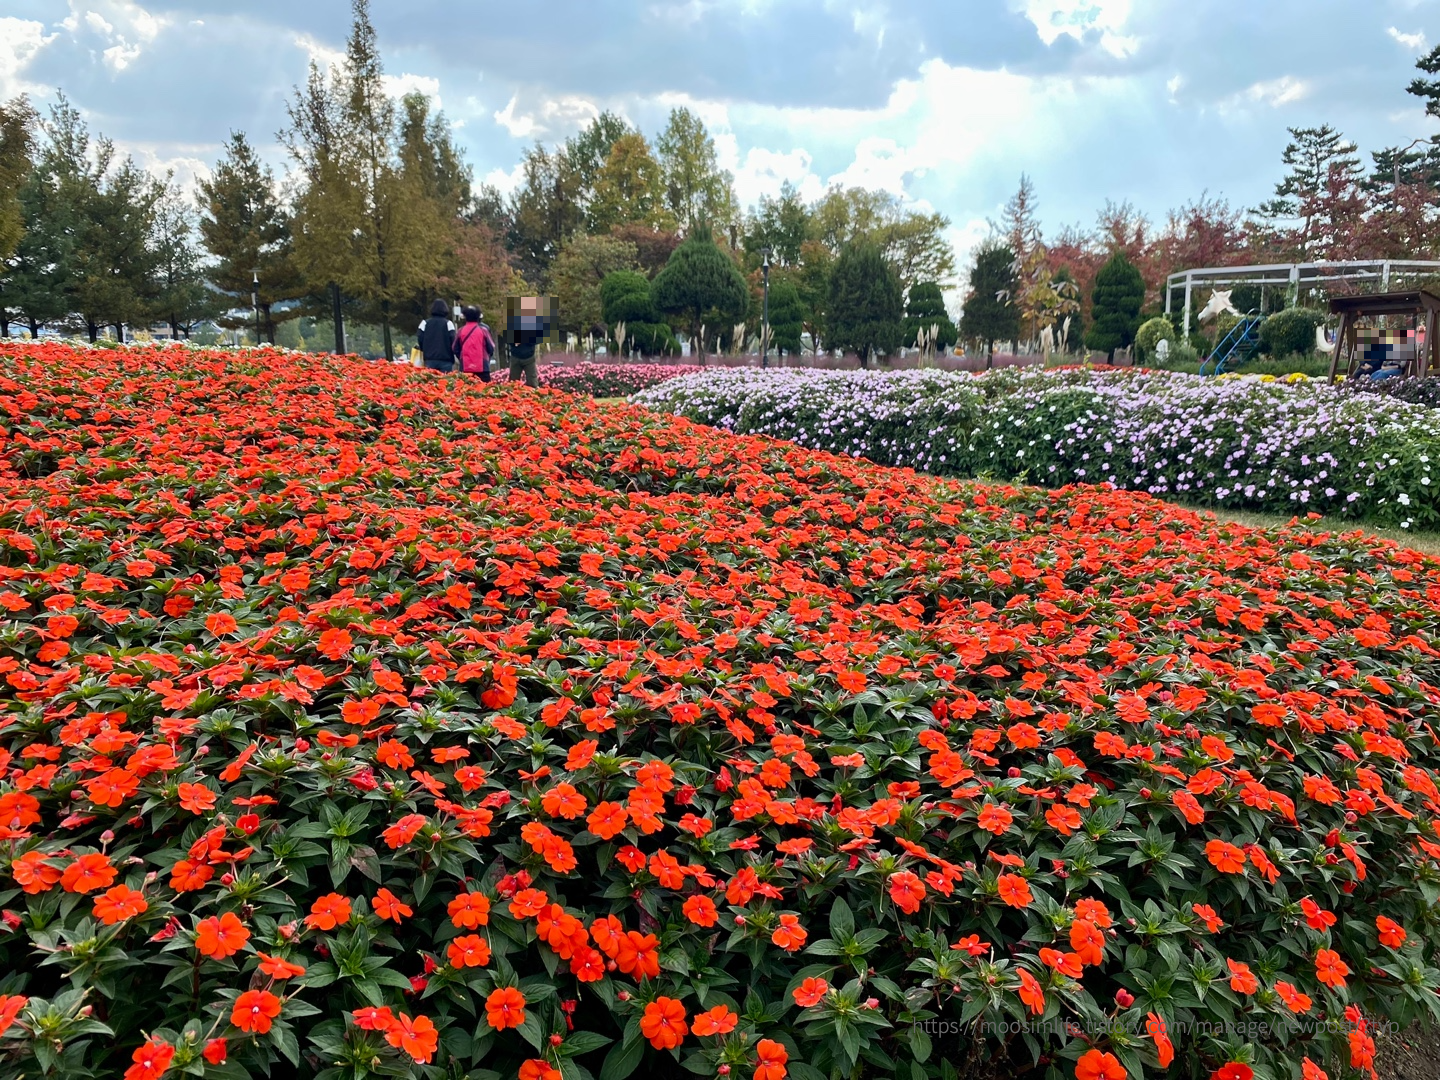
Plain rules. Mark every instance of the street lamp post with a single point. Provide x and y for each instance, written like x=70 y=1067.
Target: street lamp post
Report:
x=255 y=303
x=765 y=312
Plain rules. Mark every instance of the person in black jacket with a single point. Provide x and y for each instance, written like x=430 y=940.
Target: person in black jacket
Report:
x=437 y=338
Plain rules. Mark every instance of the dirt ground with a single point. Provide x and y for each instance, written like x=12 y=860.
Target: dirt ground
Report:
x=1412 y=1055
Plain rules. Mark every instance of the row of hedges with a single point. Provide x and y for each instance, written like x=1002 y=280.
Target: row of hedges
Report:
x=363 y=724
x=1240 y=442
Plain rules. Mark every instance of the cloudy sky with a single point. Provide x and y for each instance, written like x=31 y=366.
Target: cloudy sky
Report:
x=946 y=102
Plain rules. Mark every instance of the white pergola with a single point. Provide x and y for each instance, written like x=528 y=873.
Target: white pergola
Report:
x=1292 y=276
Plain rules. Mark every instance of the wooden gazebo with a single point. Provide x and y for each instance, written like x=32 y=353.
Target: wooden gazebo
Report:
x=1418 y=310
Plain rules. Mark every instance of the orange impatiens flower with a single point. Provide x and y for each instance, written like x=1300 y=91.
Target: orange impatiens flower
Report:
x=278 y=968
x=220 y=936
x=1088 y=941
x=907 y=891
x=10 y=1006
x=607 y=820
x=328 y=912
x=563 y=801
x=771 y=1059
x=808 y=993
x=387 y=905
x=505 y=1008
x=718 y=1021
x=700 y=910
x=1225 y=857
x=471 y=910
x=1014 y=890
x=789 y=935
x=1097 y=1065
x=468 y=950
x=151 y=1060
x=34 y=873
x=1031 y=992
x=1294 y=1000
x=88 y=873
x=994 y=818
x=1242 y=979
x=1392 y=934
x=254 y=1010
x=118 y=904
x=1330 y=969
x=538 y=1069
x=418 y=1037
x=663 y=1023
x=1159 y=1031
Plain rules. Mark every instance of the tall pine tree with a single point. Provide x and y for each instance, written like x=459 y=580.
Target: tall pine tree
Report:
x=247 y=232
x=363 y=219
x=865 y=302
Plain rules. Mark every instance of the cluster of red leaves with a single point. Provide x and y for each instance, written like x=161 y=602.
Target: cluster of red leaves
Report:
x=365 y=727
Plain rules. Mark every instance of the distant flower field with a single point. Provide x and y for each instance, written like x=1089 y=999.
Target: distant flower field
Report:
x=605 y=380
x=1242 y=442
x=360 y=723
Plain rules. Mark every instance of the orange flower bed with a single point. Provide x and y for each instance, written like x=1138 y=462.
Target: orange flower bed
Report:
x=355 y=726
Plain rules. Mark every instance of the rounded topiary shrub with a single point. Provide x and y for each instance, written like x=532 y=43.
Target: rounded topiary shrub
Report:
x=1151 y=333
x=1290 y=331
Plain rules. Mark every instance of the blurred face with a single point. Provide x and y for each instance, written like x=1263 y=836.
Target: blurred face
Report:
x=529 y=305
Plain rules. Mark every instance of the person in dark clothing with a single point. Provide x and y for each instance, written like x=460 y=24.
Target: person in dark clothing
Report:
x=527 y=325
x=436 y=338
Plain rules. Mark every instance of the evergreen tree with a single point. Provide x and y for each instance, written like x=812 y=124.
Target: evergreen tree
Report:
x=1428 y=90
x=17 y=144
x=697 y=191
x=700 y=282
x=363 y=219
x=247 y=232
x=182 y=298
x=787 y=316
x=428 y=153
x=1314 y=156
x=865 y=302
x=925 y=308
x=17 y=125
x=625 y=298
x=989 y=314
x=115 y=258
x=1115 y=305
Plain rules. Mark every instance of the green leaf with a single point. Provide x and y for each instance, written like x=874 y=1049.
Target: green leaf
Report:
x=622 y=1060
x=842 y=921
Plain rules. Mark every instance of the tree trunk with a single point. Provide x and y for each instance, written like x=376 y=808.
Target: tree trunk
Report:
x=34 y=330
x=93 y=331
x=4 y=323
x=174 y=328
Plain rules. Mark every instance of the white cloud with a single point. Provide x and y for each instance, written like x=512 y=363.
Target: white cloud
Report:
x=400 y=85
x=125 y=28
x=554 y=116
x=323 y=56
x=521 y=127
x=1414 y=42
x=764 y=172
x=506 y=182
x=1276 y=92
x=1052 y=18
x=20 y=42
x=119 y=57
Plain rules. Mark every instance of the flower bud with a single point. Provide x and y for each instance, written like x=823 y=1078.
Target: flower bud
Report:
x=556 y=1040
x=1013 y=773
x=227 y=879
x=623 y=995
x=1124 y=998
x=723 y=1070
x=1145 y=793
